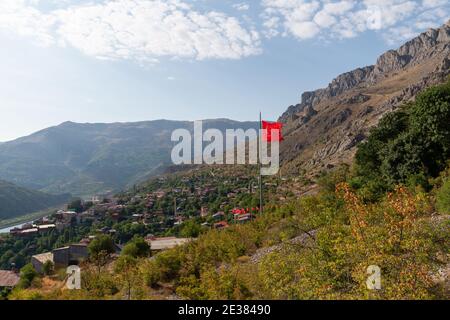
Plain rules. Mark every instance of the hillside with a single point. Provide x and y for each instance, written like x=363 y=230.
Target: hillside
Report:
x=382 y=134
x=318 y=246
x=83 y=159
x=323 y=130
x=16 y=201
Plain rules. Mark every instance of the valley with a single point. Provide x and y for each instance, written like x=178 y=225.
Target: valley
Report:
x=364 y=181
x=87 y=159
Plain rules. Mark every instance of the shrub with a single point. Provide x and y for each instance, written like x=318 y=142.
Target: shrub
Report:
x=48 y=267
x=408 y=146
x=443 y=198
x=27 y=275
x=137 y=248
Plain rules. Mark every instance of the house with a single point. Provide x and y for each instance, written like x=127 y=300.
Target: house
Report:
x=60 y=226
x=70 y=255
x=8 y=279
x=243 y=217
x=32 y=230
x=221 y=225
x=73 y=254
x=219 y=215
x=67 y=215
x=46 y=227
x=39 y=260
x=204 y=212
x=160 y=244
x=25 y=233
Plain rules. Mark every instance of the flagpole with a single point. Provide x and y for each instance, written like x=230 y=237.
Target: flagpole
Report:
x=260 y=176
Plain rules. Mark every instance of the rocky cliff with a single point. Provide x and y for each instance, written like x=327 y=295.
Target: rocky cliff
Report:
x=324 y=128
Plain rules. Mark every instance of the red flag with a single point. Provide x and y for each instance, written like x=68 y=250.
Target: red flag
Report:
x=267 y=133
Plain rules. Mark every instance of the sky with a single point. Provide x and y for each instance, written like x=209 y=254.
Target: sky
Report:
x=135 y=60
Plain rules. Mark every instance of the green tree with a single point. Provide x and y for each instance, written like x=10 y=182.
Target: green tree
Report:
x=430 y=119
x=27 y=275
x=136 y=248
x=190 y=229
x=100 y=250
x=408 y=146
x=127 y=272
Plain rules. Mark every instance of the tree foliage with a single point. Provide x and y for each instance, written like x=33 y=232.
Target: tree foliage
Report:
x=410 y=145
x=136 y=248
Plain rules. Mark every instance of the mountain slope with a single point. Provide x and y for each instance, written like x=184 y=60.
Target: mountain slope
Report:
x=90 y=158
x=16 y=201
x=324 y=128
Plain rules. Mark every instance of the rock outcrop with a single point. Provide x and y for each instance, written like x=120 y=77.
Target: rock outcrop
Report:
x=327 y=124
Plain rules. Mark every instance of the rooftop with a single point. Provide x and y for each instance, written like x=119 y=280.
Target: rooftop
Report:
x=166 y=243
x=44 y=257
x=8 y=278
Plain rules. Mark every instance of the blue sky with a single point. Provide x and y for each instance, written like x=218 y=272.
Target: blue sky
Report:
x=134 y=60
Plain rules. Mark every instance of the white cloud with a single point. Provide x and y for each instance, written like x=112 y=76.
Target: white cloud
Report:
x=142 y=30
x=434 y=3
x=241 y=6
x=304 y=30
x=17 y=17
x=147 y=30
x=396 y=20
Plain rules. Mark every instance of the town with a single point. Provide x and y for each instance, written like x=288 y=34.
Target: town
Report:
x=166 y=212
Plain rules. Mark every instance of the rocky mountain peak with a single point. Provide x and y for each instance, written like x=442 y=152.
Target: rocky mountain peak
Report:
x=428 y=44
x=328 y=123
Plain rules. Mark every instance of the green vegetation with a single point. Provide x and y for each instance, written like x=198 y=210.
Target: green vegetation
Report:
x=27 y=275
x=102 y=157
x=136 y=248
x=389 y=210
x=443 y=197
x=18 y=251
x=100 y=249
x=409 y=146
x=48 y=267
x=324 y=245
x=16 y=201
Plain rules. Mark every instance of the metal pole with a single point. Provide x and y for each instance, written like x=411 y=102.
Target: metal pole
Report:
x=260 y=157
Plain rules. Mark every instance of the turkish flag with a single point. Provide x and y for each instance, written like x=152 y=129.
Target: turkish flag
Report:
x=267 y=133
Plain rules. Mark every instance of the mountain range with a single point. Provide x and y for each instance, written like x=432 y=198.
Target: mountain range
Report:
x=85 y=159
x=321 y=131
